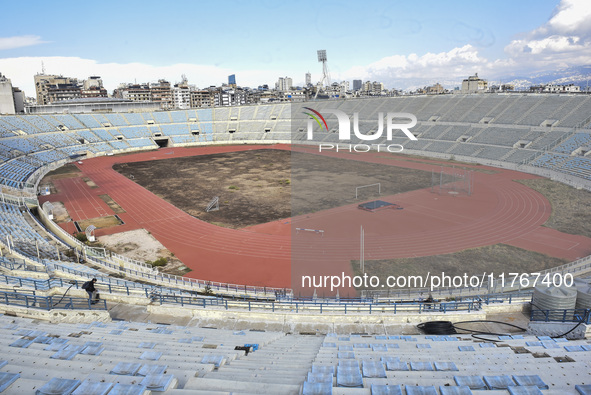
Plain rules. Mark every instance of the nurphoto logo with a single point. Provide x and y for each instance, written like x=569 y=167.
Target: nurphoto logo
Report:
x=344 y=123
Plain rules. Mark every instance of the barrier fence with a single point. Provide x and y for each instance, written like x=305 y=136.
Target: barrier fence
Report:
x=570 y=315
x=324 y=306
x=32 y=301
x=169 y=296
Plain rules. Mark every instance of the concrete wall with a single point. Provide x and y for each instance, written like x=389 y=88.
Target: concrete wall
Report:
x=305 y=322
x=559 y=328
x=57 y=316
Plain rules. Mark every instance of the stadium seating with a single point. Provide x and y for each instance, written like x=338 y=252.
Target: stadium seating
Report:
x=134 y=357
x=187 y=359
x=142 y=143
x=174 y=129
x=507 y=124
x=575 y=141
x=133 y=118
x=161 y=117
x=88 y=120
x=115 y=119
x=132 y=132
x=178 y=116
x=67 y=120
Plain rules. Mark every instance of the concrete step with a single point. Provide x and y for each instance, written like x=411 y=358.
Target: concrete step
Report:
x=256 y=377
x=240 y=386
x=24 y=386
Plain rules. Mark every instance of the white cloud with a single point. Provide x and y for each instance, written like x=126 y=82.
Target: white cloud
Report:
x=399 y=70
x=21 y=71
x=571 y=16
x=564 y=39
x=19 y=41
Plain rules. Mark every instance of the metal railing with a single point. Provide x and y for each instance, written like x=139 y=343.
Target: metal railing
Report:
x=32 y=301
x=190 y=283
x=322 y=306
x=20 y=264
x=570 y=315
x=106 y=286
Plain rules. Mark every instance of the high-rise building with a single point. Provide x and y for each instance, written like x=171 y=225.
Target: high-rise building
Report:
x=12 y=99
x=344 y=87
x=135 y=92
x=308 y=78
x=161 y=93
x=202 y=98
x=19 y=100
x=181 y=95
x=232 y=80
x=372 y=88
x=283 y=84
x=51 y=88
x=93 y=87
x=377 y=87
x=357 y=85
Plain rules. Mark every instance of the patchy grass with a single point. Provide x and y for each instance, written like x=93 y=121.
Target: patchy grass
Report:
x=496 y=259
x=100 y=222
x=89 y=182
x=162 y=261
x=65 y=171
x=117 y=209
x=570 y=206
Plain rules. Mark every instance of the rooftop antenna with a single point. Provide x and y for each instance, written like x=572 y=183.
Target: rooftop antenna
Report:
x=325 y=74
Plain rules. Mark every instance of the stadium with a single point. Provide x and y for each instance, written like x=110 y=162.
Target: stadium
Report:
x=242 y=320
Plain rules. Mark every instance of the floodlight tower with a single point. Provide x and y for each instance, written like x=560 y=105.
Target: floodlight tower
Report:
x=325 y=74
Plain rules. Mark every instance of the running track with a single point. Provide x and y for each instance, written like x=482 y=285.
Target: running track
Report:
x=499 y=211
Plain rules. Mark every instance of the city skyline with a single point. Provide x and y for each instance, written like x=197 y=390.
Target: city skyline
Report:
x=404 y=46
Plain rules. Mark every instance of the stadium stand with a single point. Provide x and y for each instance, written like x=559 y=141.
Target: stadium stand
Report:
x=178 y=116
x=133 y=119
x=186 y=359
x=50 y=355
x=572 y=143
x=510 y=121
x=161 y=117
x=132 y=132
x=115 y=119
x=88 y=120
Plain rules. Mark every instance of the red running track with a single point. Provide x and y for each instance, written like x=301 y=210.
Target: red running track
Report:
x=499 y=211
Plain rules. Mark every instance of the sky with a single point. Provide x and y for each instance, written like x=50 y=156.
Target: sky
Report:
x=403 y=44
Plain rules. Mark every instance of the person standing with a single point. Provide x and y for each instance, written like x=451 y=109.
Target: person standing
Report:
x=90 y=289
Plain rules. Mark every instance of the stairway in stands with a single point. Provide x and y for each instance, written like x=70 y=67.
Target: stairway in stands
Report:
x=278 y=368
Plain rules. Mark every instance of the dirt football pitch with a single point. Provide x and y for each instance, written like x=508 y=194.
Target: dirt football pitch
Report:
x=263 y=185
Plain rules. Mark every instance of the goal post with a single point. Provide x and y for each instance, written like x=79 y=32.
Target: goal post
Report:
x=213 y=205
x=378 y=184
x=455 y=181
